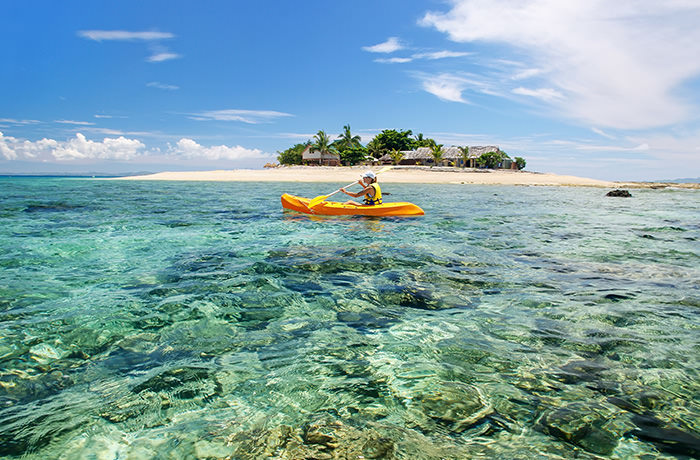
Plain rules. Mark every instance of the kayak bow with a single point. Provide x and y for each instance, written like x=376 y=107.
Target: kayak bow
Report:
x=332 y=208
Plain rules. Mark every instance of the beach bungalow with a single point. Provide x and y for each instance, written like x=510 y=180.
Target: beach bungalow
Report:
x=314 y=157
x=450 y=155
x=476 y=151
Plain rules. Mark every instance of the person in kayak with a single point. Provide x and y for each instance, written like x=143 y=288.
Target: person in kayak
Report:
x=371 y=191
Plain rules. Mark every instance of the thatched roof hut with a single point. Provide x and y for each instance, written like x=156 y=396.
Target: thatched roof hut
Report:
x=424 y=155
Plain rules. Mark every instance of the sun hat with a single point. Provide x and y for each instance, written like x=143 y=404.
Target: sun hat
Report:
x=369 y=174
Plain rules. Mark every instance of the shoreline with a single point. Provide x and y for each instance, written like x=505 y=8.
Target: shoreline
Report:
x=399 y=174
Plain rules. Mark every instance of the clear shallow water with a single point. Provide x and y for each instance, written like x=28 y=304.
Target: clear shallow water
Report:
x=185 y=320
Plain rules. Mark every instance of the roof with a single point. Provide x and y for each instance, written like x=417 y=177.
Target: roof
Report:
x=308 y=154
x=448 y=153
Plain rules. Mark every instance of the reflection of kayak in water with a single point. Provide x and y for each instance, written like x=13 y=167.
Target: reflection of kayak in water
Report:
x=332 y=208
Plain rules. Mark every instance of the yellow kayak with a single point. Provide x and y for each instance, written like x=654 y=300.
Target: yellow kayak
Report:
x=333 y=208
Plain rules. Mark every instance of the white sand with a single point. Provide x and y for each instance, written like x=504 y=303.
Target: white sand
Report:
x=400 y=174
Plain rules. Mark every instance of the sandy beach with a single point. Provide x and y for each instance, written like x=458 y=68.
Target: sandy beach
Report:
x=399 y=174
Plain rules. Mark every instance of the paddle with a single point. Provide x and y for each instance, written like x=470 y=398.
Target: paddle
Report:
x=321 y=198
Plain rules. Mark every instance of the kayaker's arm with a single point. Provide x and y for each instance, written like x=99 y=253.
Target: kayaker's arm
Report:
x=358 y=194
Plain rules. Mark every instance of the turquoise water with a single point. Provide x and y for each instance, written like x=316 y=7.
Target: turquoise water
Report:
x=197 y=320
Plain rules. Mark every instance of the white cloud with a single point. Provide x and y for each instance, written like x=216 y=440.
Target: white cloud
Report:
x=158 y=53
x=526 y=73
x=159 y=85
x=394 y=60
x=77 y=148
x=389 y=46
x=433 y=55
x=80 y=148
x=245 y=116
x=13 y=121
x=123 y=35
x=192 y=150
x=446 y=87
x=165 y=56
x=73 y=122
x=546 y=94
x=600 y=132
x=617 y=64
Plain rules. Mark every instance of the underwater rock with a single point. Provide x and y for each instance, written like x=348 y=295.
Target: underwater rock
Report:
x=619 y=193
x=325 y=438
x=456 y=405
x=409 y=296
x=580 y=371
x=663 y=435
x=185 y=382
x=584 y=425
x=666 y=437
x=129 y=407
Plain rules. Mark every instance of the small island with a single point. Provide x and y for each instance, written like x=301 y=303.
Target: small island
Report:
x=397 y=147
x=415 y=159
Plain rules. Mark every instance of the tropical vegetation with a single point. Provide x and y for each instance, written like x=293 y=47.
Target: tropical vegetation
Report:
x=491 y=159
x=390 y=141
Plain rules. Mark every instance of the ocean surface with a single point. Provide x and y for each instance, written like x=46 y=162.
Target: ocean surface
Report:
x=198 y=320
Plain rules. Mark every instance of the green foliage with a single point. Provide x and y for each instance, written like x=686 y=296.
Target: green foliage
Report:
x=520 y=161
x=353 y=156
x=436 y=151
x=347 y=140
x=396 y=156
x=390 y=139
x=420 y=141
x=322 y=143
x=292 y=156
x=491 y=159
x=374 y=148
x=349 y=147
x=464 y=154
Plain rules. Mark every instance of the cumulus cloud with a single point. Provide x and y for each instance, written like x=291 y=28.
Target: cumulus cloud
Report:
x=77 y=148
x=245 y=116
x=616 y=64
x=80 y=148
x=392 y=44
x=123 y=35
x=190 y=149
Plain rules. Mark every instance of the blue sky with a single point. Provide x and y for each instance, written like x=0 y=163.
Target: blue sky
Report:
x=608 y=90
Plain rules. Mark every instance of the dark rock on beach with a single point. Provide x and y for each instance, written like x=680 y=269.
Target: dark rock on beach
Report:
x=619 y=193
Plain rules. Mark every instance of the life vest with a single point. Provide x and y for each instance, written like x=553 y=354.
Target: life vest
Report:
x=377 y=198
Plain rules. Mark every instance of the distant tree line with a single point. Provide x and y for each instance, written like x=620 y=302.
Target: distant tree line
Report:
x=389 y=141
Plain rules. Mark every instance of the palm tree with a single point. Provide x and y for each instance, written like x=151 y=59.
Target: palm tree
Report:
x=375 y=148
x=347 y=140
x=322 y=144
x=436 y=151
x=396 y=156
x=465 y=155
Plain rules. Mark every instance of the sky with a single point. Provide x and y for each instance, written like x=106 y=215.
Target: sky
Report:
x=601 y=89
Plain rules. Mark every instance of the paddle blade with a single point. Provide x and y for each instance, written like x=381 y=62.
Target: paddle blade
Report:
x=316 y=201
